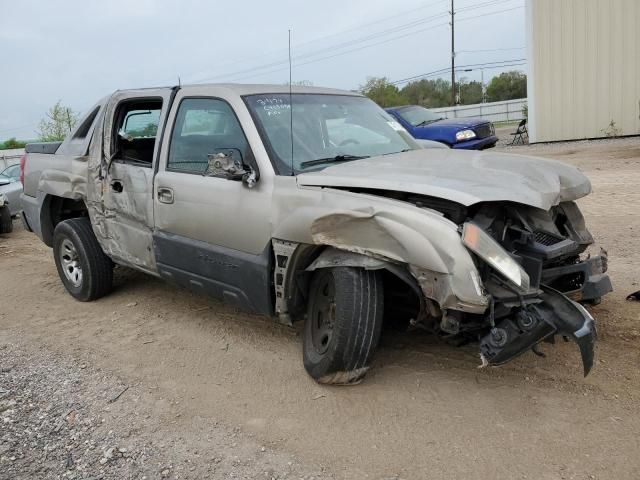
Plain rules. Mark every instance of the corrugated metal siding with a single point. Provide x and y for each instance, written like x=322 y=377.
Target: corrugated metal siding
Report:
x=584 y=68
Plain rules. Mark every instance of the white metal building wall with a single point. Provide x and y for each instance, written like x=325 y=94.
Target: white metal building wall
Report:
x=584 y=68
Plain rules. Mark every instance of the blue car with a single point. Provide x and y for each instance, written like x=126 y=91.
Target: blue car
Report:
x=465 y=133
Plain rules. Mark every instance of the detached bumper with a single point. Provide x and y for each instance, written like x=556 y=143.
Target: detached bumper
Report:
x=582 y=282
x=555 y=314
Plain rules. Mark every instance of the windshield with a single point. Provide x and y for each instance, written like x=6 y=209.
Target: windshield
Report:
x=326 y=129
x=417 y=116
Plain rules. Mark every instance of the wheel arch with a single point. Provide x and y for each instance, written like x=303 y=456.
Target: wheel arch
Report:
x=295 y=264
x=56 y=209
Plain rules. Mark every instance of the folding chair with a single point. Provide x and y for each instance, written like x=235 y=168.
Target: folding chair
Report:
x=518 y=134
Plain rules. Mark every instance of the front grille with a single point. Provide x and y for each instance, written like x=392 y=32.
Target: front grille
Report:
x=547 y=239
x=484 y=131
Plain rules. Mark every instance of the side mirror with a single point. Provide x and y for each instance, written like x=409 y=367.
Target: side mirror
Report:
x=227 y=163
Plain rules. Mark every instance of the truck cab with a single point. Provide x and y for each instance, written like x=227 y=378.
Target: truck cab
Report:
x=312 y=204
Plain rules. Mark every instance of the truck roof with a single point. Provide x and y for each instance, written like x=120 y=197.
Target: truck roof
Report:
x=253 y=89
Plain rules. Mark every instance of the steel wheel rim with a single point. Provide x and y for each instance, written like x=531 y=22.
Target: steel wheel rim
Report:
x=70 y=262
x=324 y=315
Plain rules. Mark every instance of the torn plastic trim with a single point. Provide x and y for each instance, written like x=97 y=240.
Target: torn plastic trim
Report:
x=555 y=314
x=283 y=252
x=333 y=257
x=459 y=291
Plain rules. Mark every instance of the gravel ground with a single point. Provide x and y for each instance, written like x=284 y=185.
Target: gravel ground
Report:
x=61 y=418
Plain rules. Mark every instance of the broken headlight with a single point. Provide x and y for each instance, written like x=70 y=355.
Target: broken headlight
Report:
x=483 y=245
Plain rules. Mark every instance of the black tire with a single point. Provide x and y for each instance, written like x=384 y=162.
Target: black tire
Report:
x=6 y=223
x=75 y=245
x=343 y=324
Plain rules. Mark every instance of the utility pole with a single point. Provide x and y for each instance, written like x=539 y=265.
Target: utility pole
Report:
x=453 y=57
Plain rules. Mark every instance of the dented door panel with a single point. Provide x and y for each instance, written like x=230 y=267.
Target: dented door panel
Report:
x=128 y=215
x=126 y=189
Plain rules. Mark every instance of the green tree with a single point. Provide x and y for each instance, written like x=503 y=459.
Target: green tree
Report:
x=12 y=143
x=470 y=92
x=507 y=86
x=383 y=92
x=57 y=124
x=428 y=93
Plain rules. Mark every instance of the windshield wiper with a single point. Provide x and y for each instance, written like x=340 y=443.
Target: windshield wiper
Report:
x=401 y=151
x=426 y=122
x=337 y=158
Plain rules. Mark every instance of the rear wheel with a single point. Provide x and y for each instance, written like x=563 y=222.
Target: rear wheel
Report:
x=343 y=324
x=85 y=271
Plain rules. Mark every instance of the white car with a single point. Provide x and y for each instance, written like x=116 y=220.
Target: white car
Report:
x=11 y=188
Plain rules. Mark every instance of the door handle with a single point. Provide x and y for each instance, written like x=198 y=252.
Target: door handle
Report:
x=165 y=195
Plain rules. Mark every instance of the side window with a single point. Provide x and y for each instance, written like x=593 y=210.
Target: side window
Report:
x=135 y=131
x=202 y=127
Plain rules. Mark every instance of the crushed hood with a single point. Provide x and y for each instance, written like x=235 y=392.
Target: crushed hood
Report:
x=466 y=177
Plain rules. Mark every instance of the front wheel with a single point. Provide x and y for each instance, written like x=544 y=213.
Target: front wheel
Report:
x=6 y=224
x=85 y=271
x=343 y=324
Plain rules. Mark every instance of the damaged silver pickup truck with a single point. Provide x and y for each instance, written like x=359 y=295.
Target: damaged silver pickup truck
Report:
x=315 y=205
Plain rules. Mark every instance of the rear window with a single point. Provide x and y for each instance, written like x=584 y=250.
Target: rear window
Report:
x=85 y=126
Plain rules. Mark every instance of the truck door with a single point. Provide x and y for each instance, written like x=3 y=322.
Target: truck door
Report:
x=132 y=130
x=213 y=234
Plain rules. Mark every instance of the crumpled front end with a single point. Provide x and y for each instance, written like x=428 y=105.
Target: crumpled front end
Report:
x=498 y=273
x=532 y=266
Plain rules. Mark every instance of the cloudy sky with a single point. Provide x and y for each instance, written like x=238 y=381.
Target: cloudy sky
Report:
x=77 y=51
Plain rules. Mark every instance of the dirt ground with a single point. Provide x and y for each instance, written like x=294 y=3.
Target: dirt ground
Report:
x=154 y=382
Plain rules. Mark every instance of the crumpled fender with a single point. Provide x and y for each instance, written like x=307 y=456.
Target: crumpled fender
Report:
x=396 y=231
x=379 y=233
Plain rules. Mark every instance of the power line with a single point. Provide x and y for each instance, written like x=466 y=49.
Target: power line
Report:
x=483 y=5
x=253 y=75
x=491 y=13
x=491 y=50
x=453 y=13
x=332 y=35
x=372 y=23
x=366 y=38
x=337 y=54
x=13 y=129
x=486 y=65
